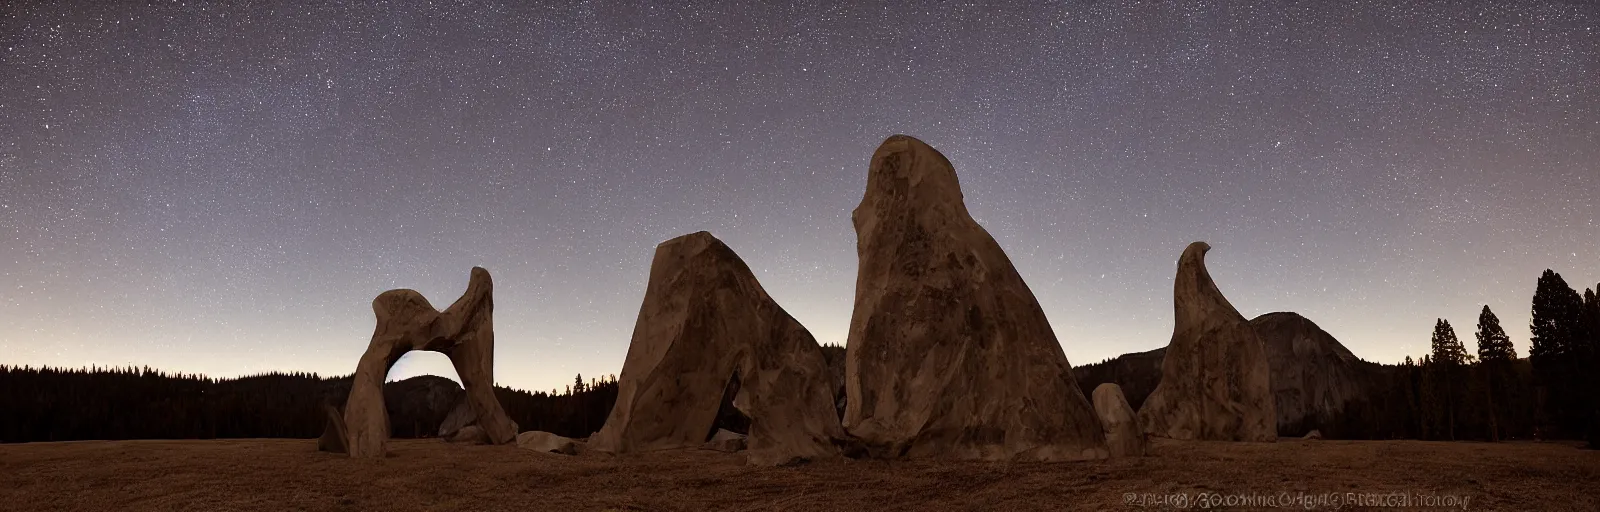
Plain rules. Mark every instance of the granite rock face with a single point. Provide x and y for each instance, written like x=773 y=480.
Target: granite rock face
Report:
x=1314 y=377
x=705 y=321
x=406 y=321
x=949 y=355
x=1124 y=436
x=1215 y=379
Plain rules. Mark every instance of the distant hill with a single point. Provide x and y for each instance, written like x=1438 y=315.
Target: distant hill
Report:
x=1314 y=377
x=416 y=405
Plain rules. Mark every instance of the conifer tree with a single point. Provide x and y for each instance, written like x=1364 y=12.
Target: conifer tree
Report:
x=1556 y=307
x=1493 y=344
x=1447 y=360
x=1587 y=351
x=1447 y=349
x=1495 y=356
x=1555 y=351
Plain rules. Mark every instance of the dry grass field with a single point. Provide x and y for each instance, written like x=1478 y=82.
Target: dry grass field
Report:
x=278 y=475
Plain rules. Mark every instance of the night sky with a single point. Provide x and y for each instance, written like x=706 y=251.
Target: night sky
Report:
x=223 y=189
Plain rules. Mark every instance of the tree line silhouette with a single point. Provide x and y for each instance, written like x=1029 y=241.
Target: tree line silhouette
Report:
x=1493 y=395
x=57 y=404
x=1449 y=394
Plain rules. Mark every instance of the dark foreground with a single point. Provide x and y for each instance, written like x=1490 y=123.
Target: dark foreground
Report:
x=276 y=474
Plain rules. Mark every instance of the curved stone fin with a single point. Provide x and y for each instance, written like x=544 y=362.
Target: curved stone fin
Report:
x=1196 y=295
x=1215 y=374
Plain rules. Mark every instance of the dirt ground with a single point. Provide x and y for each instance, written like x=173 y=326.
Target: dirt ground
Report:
x=278 y=474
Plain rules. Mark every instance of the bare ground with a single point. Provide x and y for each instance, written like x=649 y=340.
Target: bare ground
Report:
x=278 y=474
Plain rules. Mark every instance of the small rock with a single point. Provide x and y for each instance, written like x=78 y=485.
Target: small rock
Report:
x=459 y=418
x=333 y=434
x=726 y=441
x=547 y=442
x=1124 y=437
x=471 y=434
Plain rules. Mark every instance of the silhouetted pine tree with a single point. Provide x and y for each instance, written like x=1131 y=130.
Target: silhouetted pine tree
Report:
x=55 y=404
x=1557 y=353
x=1447 y=348
x=1430 y=399
x=1493 y=344
x=1448 y=361
x=1408 y=377
x=1587 y=343
x=1495 y=356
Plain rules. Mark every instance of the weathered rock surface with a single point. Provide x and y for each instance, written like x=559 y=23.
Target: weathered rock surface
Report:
x=1313 y=376
x=1124 y=437
x=949 y=354
x=704 y=320
x=547 y=442
x=726 y=441
x=406 y=322
x=1215 y=379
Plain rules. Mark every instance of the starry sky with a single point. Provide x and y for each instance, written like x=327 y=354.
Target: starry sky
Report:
x=223 y=188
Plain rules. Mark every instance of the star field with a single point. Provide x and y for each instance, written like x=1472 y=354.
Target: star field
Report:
x=219 y=188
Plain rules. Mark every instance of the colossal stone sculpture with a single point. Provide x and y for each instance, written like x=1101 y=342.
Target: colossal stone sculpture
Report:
x=1124 y=437
x=704 y=320
x=949 y=354
x=406 y=322
x=1215 y=378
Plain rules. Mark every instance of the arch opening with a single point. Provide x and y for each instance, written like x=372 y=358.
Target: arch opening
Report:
x=420 y=392
x=731 y=415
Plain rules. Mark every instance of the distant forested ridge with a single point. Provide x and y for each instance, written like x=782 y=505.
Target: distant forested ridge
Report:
x=55 y=404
